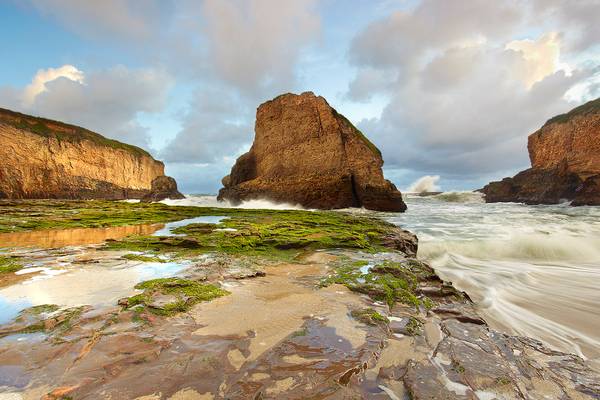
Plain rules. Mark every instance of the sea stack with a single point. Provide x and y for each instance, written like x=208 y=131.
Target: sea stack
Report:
x=46 y=159
x=565 y=163
x=306 y=153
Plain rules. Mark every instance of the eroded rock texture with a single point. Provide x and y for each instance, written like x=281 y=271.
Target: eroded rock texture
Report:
x=304 y=152
x=565 y=162
x=41 y=158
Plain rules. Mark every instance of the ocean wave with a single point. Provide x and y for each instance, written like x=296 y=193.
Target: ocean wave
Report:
x=211 y=201
x=549 y=301
x=427 y=183
x=531 y=247
x=460 y=197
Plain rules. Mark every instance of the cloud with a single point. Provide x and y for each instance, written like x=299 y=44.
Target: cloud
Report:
x=465 y=95
x=255 y=44
x=578 y=21
x=124 y=19
x=541 y=56
x=217 y=125
x=106 y=101
x=43 y=76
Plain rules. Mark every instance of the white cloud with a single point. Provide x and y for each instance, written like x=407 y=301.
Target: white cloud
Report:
x=255 y=44
x=464 y=92
x=125 y=19
x=541 y=56
x=107 y=101
x=43 y=76
x=216 y=126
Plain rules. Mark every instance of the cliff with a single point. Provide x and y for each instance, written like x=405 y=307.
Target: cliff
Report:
x=41 y=158
x=306 y=153
x=565 y=162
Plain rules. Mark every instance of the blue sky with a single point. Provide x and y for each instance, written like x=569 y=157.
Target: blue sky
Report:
x=440 y=89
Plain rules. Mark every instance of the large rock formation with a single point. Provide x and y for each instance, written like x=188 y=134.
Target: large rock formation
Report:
x=41 y=158
x=565 y=162
x=305 y=153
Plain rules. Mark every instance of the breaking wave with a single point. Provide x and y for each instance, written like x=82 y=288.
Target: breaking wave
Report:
x=531 y=270
x=427 y=183
x=460 y=197
x=211 y=201
x=519 y=246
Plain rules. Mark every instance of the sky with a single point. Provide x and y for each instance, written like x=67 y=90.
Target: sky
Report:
x=448 y=88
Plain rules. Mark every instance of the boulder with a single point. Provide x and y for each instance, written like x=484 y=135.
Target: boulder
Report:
x=163 y=187
x=306 y=153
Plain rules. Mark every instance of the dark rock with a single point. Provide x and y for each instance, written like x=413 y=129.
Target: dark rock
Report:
x=163 y=187
x=405 y=241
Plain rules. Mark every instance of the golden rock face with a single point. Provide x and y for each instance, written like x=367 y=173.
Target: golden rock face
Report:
x=576 y=143
x=305 y=152
x=59 y=161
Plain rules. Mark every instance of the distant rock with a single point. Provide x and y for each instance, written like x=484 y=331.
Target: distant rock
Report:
x=41 y=158
x=306 y=153
x=565 y=163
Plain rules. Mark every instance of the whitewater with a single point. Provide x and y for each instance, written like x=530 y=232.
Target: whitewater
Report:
x=531 y=270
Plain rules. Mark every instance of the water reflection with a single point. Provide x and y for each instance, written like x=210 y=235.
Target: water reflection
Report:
x=53 y=238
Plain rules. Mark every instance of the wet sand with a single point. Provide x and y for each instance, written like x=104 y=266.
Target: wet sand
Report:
x=270 y=308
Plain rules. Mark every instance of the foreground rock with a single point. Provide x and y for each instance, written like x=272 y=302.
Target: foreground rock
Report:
x=565 y=163
x=305 y=153
x=270 y=305
x=49 y=159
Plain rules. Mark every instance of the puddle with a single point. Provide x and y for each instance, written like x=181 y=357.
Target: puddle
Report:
x=68 y=286
x=366 y=268
x=170 y=226
x=54 y=238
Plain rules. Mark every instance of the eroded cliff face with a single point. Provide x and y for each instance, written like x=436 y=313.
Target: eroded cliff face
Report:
x=575 y=143
x=47 y=159
x=304 y=152
x=565 y=162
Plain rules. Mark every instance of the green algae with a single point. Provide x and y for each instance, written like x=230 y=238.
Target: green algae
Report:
x=359 y=133
x=591 y=107
x=390 y=282
x=184 y=293
x=259 y=230
x=280 y=235
x=369 y=316
x=9 y=264
x=58 y=321
x=300 y=333
x=414 y=326
x=143 y=258
x=41 y=309
x=29 y=215
x=66 y=132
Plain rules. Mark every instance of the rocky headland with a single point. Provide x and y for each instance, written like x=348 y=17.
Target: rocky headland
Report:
x=42 y=158
x=565 y=163
x=306 y=153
